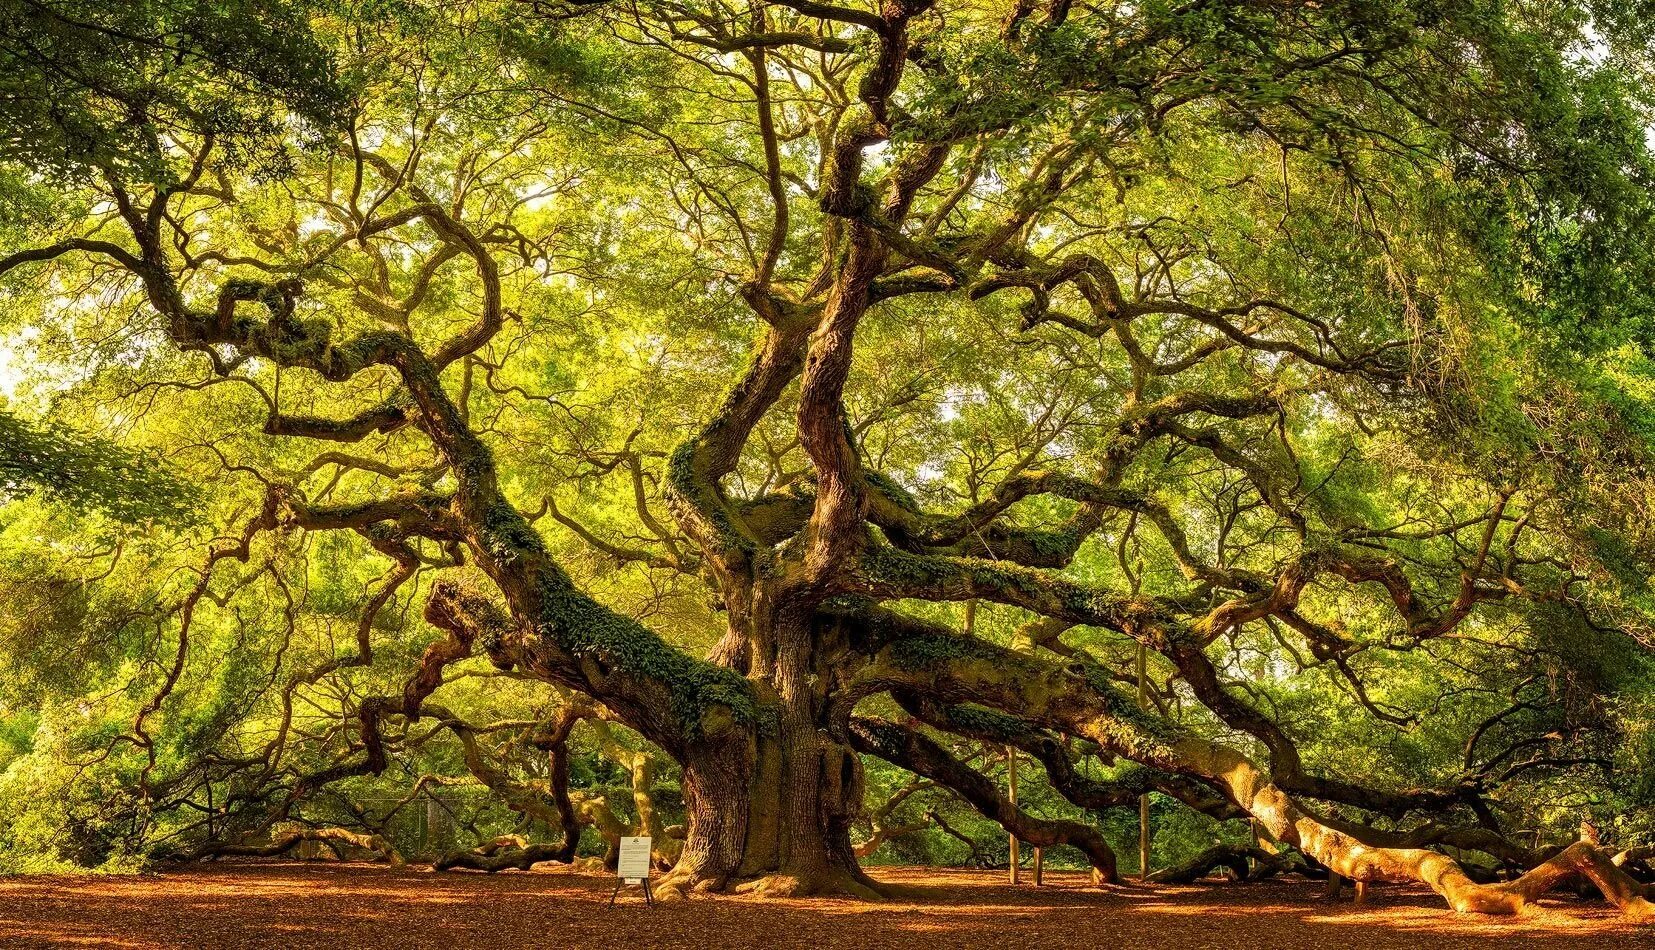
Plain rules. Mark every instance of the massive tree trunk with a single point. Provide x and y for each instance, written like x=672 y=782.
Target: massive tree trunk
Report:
x=780 y=822
x=805 y=794
x=716 y=781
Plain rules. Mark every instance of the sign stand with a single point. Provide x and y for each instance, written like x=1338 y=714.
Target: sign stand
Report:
x=633 y=868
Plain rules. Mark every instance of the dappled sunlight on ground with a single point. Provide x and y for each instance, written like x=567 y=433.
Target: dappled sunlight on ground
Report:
x=325 y=904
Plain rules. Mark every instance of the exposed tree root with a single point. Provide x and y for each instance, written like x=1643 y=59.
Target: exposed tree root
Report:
x=678 y=885
x=832 y=883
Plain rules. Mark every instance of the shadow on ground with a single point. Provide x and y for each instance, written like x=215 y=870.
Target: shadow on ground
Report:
x=327 y=905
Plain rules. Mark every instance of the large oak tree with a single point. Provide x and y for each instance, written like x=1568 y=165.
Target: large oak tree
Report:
x=925 y=360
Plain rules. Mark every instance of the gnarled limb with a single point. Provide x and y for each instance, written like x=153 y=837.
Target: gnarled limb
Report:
x=289 y=840
x=998 y=728
x=494 y=858
x=951 y=667
x=918 y=754
x=889 y=573
x=1231 y=857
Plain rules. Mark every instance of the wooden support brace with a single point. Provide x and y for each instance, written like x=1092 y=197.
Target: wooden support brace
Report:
x=1011 y=796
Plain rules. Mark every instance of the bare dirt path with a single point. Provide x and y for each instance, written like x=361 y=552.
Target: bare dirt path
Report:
x=325 y=905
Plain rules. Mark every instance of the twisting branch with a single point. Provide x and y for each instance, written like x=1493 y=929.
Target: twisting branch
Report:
x=920 y=755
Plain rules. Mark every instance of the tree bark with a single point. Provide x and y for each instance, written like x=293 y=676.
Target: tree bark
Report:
x=287 y=841
x=918 y=754
x=778 y=821
x=941 y=664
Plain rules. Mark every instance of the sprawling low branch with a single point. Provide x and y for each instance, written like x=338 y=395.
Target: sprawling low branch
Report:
x=288 y=840
x=911 y=750
x=952 y=668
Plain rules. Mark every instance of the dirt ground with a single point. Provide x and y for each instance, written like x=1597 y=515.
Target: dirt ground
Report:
x=359 y=906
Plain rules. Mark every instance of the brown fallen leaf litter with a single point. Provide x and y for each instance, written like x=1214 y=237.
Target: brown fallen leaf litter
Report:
x=359 y=906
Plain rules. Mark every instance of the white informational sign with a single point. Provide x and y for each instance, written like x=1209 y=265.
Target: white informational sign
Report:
x=634 y=864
